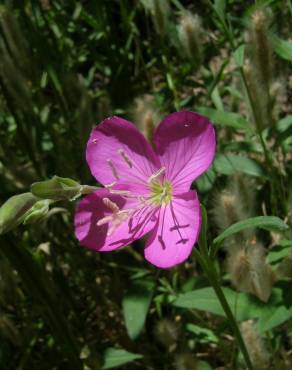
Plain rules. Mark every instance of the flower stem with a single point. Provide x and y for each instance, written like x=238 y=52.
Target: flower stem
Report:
x=209 y=269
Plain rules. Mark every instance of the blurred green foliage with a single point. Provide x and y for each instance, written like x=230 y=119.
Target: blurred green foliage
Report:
x=66 y=65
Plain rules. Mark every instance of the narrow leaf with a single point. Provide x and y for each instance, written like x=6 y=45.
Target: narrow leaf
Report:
x=264 y=222
x=243 y=305
x=239 y=55
x=229 y=164
x=135 y=306
x=229 y=119
x=219 y=6
x=274 y=318
x=282 y=47
x=117 y=357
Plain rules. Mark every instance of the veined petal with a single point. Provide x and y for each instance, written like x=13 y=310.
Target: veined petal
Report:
x=176 y=232
x=118 y=152
x=92 y=209
x=185 y=143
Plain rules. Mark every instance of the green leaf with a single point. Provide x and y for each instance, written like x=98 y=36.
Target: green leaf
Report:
x=57 y=188
x=219 y=6
x=239 y=55
x=135 y=306
x=203 y=299
x=203 y=335
x=274 y=318
x=229 y=119
x=203 y=365
x=264 y=222
x=278 y=310
x=284 y=127
x=284 y=123
x=230 y=164
x=282 y=47
x=205 y=182
x=117 y=357
x=14 y=209
x=244 y=306
x=279 y=252
x=218 y=77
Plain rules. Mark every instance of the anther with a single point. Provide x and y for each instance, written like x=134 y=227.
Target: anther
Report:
x=156 y=175
x=114 y=171
x=111 y=205
x=125 y=157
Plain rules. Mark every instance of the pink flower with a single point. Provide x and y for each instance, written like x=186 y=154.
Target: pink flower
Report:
x=146 y=190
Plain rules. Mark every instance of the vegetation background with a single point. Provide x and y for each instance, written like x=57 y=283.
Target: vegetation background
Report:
x=65 y=66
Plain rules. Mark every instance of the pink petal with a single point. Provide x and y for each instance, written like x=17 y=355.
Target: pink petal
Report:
x=91 y=209
x=176 y=232
x=185 y=143
x=132 y=159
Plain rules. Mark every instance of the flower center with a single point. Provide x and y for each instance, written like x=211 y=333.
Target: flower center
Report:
x=161 y=192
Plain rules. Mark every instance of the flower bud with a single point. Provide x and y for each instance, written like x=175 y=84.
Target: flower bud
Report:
x=57 y=188
x=255 y=346
x=37 y=212
x=13 y=211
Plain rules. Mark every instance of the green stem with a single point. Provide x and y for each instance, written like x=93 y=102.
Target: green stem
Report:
x=210 y=271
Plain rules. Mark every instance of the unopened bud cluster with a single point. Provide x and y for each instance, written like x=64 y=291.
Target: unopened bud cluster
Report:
x=159 y=11
x=258 y=67
x=246 y=261
x=255 y=346
x=167 y=332
x=190 y=36
x=146 y=114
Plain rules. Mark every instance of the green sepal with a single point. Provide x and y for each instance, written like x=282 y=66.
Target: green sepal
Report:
x=37 y=212
x=13 y=211
x=57 y=188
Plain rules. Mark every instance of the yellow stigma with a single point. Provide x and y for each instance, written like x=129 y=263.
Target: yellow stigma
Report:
x=160 y=192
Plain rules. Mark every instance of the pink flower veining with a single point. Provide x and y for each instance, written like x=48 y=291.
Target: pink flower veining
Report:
x=146 y=190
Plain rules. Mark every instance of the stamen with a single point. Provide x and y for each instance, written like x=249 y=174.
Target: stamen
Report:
x=126 y=211
x=163 y=194
x=104 y=220
x=125 y=157
x=108 y=186
x=114 y=171
x=117 y=219
x=111 y=205
x=119 y=192
x=156 y=175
